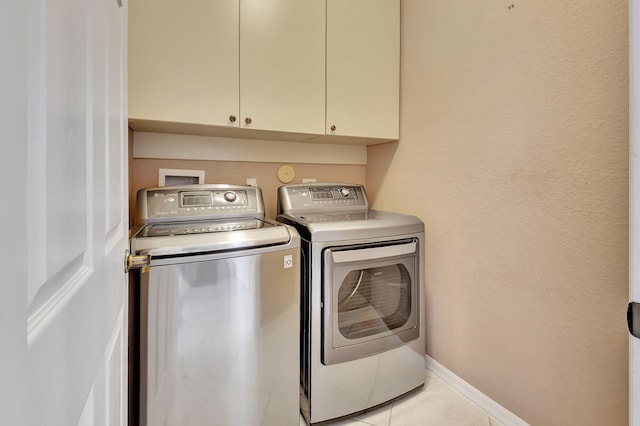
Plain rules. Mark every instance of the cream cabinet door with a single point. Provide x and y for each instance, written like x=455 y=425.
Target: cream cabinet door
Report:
x=363 y=68
x=184 y=61
x=282 y=60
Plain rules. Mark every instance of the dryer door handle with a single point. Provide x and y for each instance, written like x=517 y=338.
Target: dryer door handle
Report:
x=374 y=253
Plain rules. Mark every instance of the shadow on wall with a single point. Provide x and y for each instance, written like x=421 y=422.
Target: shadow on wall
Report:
x=379 y=158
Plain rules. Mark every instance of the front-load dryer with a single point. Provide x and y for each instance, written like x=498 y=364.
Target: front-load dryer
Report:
x=362 y=307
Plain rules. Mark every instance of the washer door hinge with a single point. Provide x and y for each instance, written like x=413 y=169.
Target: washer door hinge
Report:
x=633 y=319
x=141 y=261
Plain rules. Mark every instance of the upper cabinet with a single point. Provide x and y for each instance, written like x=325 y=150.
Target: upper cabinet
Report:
x=255 y=68
x=184 y=63
x=282 y=65
x=363 y=68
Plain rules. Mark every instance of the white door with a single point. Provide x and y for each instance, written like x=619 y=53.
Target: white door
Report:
x=634 y=205
x=63 y=132
x=13 y=129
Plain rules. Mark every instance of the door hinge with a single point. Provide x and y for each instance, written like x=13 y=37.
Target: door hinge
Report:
x=633 y=319
x=141 y=261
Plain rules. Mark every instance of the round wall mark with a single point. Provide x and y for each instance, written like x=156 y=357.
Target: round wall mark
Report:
x=286 y=173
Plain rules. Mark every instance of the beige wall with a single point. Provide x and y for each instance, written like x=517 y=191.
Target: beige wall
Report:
x=145 y=174
x=513 y=151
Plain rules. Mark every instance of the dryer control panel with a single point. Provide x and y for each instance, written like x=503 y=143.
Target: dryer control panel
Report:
x=309 y=197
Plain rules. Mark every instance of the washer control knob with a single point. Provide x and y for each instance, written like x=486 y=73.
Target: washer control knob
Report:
x=230 y=196
x=345 y=192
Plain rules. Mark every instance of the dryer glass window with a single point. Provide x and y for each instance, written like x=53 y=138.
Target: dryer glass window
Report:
x=370 y=297
x=374 y=300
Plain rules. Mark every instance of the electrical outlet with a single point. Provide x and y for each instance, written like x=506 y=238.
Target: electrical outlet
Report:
x=252 y=182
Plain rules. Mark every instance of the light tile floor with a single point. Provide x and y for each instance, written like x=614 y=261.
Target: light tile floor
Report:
x=437 y=404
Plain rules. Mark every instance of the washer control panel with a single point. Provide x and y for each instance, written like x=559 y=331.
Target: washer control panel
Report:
x=196 y=202
x=321 y=197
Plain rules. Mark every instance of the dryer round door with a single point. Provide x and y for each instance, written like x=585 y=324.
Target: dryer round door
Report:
x=370 y=299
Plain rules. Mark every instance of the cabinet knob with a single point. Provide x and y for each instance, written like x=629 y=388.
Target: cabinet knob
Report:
x=333 y=128
x=232 y=118
x=247 y=120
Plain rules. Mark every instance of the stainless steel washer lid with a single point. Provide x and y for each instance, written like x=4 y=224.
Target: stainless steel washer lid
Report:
x=200 y=227
x=189 y=219
x=352 y=226
x=260 y=234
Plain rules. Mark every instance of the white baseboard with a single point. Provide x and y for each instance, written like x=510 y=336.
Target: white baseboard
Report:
x=485 y=403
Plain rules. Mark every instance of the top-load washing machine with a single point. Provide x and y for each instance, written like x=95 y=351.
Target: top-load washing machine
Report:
x=214 y=310
x=362 y=300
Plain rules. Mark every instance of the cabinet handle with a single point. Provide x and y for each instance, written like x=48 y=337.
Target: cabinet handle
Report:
x=232 y=118
x=333 y=128
x=247 y=120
